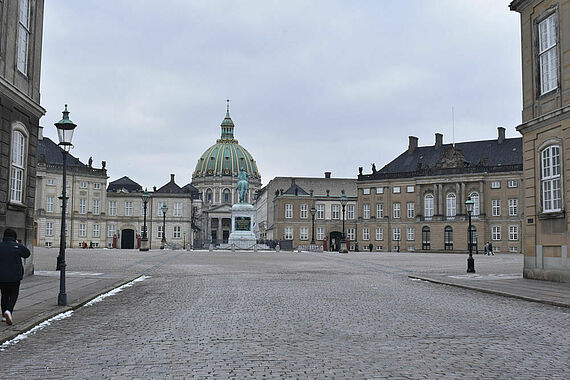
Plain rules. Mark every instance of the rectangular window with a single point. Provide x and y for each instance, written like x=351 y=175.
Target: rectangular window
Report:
x=410 y=189
x=350 y=212
x=379 y=233
x=320 y=211
x=23 y=36
x=379 y=210
x=513 y=233
x=513 y=207
x=410 y=234
x=110 y=230
x=304 y=211
x=411 y=210
x=451 y=205
x=550 y=179
x=49 y=204
x=495 y=184
x=288 y=235
x=320 y=233
x=112 y=208
x=366 y=191
x=159 y=208
x=159 y=232
x=366 y=211
x=96 y=230
x=177 y=209
x=365 y=233
x=51 y=182
x=547 y=54
x=83 y=206
x=496 y=207
x=18 y=167
x=396 y=190
x=335 y=211
x=396 y=210
x=496 y=233
x=82 y=229
x=176 y=232
x=396 y=234
x=304 y=233
x=97 y=186
x=96 y=206
x=128 y=208
x=83 y=185
x=379 y=190
x=351 y=233
x=512 y=183
x=49 y=228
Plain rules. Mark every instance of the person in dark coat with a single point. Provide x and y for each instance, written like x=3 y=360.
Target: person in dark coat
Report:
x=11 y=272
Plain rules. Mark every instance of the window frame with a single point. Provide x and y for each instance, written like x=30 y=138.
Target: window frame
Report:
x=379 y=234
x=18 y=163
x=24 y=26
x=366 y=211
x=431 y=203
x=411 y=210
x=495 y=207
x=549 y=179
x=451 y=205
x=379 y=210
x=304 y=211
x=396 y=210
x=496 y=233
x=513 y=206
x=550 y=51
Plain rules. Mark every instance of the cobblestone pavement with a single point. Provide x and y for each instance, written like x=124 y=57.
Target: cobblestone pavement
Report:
x=297 y=315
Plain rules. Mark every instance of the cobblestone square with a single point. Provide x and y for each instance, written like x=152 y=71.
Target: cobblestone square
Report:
x=293 y=315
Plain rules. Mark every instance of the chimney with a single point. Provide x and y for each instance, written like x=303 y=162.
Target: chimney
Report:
x=292 y=181
x=438 y=140
x=40 y=133
x=172 y=178
x=501 y=138
x=327 y=174
x=412 y=144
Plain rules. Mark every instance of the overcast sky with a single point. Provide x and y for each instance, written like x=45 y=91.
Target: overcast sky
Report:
x=315 y=86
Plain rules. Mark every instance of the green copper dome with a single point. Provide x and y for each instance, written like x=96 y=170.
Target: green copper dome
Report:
x=226 y=157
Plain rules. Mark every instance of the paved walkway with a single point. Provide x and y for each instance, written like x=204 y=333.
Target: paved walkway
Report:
x=509 y=285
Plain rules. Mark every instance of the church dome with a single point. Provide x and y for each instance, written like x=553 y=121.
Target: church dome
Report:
x=226 y=157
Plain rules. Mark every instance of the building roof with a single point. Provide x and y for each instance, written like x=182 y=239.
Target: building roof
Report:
x=295 y=190
x=193 y=191
x=125 y=183
x=170 y=188
x=51 y=153
x=226 y=157
x=467 y=157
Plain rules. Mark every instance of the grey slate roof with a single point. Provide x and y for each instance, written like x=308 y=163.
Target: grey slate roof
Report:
x=193 y=191
x=170 y=188
x=124 y=183
x=295 y=190
x=473 y=157
x=50 y=153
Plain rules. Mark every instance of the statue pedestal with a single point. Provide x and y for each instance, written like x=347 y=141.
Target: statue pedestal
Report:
x=242 y=236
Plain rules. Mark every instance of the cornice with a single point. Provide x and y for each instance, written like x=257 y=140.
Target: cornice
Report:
x=20 y=98
x=544 y=120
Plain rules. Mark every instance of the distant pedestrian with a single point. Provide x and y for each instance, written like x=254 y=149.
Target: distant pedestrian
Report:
x=11 y=272
x=487 y=248
x=491 y=249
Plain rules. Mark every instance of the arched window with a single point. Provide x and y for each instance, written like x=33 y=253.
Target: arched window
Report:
x=209 y=196
x=550 y=179
x=428 y=206
x=475 y=198
x=448 y=238
x=227 y=196
x=451 y=205
x=18 y=164
x=426 y=238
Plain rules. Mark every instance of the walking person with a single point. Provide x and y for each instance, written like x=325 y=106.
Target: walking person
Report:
x=11 y=272
x=491 y=249
x=487 y=248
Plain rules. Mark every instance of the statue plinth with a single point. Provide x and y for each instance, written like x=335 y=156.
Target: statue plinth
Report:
x=242 y=235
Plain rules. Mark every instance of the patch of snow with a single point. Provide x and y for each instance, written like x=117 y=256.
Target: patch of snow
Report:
x=115 y=291
x=35 y=329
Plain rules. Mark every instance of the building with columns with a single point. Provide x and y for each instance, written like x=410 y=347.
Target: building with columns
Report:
x=417 y=201
x=545 y=43
x=215 y=178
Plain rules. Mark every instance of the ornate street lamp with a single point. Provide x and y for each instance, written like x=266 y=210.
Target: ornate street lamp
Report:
x=65 y=128
x=343 y=202
x=164 y=209
x=470 y=261
x=144 y=240
x=313 y=212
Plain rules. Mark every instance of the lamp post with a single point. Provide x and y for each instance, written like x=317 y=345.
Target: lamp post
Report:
x=65 y=128
x=144 y=240
x=184 y=244
x=470 y=261
x=313 y=212
x=164 y=209
x=343 y=202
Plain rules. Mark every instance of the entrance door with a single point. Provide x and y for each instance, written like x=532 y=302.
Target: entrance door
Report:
x=214 y=237
x=127 y=239
x=226 y=236
x=335 y=241
x=426 y=239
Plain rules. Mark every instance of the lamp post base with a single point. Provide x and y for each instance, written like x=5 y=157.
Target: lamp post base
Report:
x=470 y=264
x=144 y=245
x=343 y=248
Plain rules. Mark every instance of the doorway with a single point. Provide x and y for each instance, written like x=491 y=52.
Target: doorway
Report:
x=127 y=239
x=335 y=237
